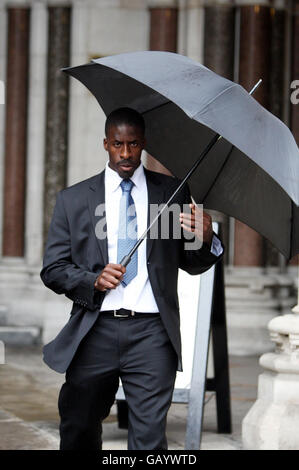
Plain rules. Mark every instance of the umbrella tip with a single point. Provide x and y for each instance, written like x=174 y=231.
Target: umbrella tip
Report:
x=255 y=86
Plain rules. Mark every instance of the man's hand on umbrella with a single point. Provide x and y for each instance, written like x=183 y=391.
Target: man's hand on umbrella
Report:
x=110 y=277
x=198 y=222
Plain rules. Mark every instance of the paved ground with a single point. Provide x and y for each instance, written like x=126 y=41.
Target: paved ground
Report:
x=29 y=418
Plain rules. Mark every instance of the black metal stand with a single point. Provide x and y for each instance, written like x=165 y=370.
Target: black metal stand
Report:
x=220 y=383
x=211 y=318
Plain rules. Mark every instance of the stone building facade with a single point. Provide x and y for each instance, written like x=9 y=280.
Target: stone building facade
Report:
x=51 y=132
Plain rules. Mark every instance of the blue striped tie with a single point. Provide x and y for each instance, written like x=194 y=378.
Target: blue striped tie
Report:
x=127 y=231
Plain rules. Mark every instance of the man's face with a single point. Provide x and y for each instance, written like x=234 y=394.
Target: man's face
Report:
x=124 y=145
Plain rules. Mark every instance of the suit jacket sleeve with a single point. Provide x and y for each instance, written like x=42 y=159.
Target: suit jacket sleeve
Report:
x=200 y=260
x=59 y=273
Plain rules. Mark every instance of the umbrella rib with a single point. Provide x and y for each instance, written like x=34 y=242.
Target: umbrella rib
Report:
x=155 y=107
x=215 y=98
x=218 y=173
x=229 y=153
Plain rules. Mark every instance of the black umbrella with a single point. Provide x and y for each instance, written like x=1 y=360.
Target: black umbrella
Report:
x=252 y=173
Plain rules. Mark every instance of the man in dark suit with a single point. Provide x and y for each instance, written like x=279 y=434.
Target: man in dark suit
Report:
x=125 y=321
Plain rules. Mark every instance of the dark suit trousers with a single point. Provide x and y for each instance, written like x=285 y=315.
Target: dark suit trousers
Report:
x=138 y=351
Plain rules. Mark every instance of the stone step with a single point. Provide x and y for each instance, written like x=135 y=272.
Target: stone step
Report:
x=20 y=335
x=17 y=434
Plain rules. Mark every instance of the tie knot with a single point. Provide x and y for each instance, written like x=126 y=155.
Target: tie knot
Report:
x=126 y=185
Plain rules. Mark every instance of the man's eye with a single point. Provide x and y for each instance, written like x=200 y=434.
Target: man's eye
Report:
x=134 y=144
x=116 y=144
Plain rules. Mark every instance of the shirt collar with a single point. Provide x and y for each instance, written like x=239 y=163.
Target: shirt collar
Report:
x=114 y=180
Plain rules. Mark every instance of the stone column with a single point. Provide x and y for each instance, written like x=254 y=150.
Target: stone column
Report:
x=3 y=34
x=163 y=37
x=277 y=91
x=254 y=63
x=278 y=58
x=191 y=29
x=272 y=422
x=86 y=119
x=219 y=41
x=163 y=28
x=57 y=108
x=36 y=133
x=294 y=108
x=15 y=132
x=78 y=101
x=295 y=70
x=254 y=294
x=219 y=37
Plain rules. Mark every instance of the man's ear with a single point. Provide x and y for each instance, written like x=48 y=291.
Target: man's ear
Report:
x=105 y=143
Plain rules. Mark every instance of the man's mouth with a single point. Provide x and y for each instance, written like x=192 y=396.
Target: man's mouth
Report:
x=126 y=166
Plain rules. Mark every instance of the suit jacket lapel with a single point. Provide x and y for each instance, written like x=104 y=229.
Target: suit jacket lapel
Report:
x=156 y=194
x=96 y=202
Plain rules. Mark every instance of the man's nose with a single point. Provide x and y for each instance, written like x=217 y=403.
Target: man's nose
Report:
x=126 y=151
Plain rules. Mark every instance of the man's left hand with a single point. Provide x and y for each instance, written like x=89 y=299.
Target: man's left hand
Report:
x=199 y=223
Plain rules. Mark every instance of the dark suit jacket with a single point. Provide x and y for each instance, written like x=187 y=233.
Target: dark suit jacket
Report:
x=74 y=257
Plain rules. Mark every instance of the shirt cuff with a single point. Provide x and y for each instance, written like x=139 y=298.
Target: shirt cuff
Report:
x=216 y=246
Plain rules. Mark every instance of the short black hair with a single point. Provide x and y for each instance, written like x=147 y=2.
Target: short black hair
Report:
x=125 y=116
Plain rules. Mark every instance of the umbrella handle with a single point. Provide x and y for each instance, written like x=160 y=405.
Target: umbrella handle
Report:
x=125 y=261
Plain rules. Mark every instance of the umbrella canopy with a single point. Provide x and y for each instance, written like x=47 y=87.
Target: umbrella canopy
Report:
x=251 y=174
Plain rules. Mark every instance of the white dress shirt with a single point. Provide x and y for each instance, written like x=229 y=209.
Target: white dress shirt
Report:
x=138 y=294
